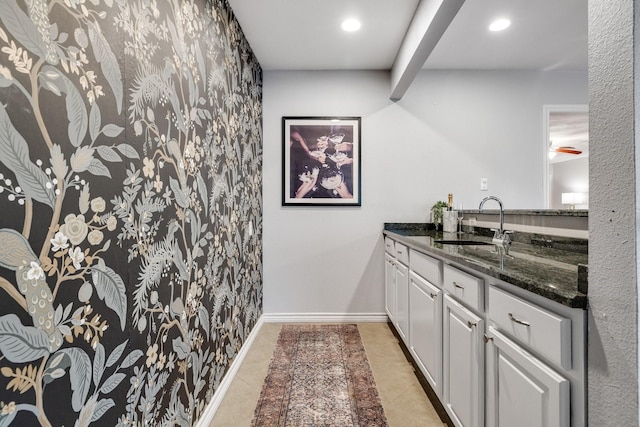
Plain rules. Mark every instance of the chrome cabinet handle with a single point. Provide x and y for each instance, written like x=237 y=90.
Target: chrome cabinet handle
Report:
x=487 y=338
x=458 y=286
x=433 y=296
x=470 y=324
x=518 y=321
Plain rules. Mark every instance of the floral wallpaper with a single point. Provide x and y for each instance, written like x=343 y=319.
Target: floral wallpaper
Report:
x=130 y=208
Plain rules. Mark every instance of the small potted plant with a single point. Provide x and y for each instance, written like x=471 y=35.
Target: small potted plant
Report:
x=436 y=214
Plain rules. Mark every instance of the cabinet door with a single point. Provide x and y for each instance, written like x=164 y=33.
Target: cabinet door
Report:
x=390 y=287
x=463 y=382
x=425 y=329
x=402 y=301
x=521 y=390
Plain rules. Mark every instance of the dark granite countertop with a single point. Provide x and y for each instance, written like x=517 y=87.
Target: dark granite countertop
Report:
x=549 y=267
x=537 y=212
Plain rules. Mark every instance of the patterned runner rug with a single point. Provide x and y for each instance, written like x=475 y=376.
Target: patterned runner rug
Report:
x=319 y=376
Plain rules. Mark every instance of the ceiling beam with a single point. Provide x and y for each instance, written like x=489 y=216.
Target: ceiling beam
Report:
x=429 y=23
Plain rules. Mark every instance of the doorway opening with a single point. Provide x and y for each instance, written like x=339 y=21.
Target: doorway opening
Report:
x=566 y=156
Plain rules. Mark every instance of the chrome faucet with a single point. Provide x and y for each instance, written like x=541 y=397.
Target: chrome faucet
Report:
x=500 y=236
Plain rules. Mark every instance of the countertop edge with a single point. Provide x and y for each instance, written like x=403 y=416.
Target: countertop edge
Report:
x=570 y=299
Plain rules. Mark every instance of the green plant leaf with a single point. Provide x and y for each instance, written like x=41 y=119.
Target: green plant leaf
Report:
x=108 y=154
x=98 y=364
x=108 y=62
x=76 y=113
x=111 y=289
x=116 y=354
x=14 y=154
x=112 y=382
x=76 y=110
x=19 y=343
x=180 y=264
x=110 y=130
x=98 y=168
x=131 y=358
x=203 y=315
x=181 y=197
x=202 y=189
x=95 y=121
x=21 y=27
x=79 y=374
x=128 y=151
x=101 y=407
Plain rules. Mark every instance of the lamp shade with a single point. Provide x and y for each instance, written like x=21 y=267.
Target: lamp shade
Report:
x=574 y=198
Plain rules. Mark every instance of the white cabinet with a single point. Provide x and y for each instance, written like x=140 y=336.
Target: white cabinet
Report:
x=397 y=287
x=425 y=329
x=402 y=300
x=390 y=287
x=521 y=390
x=528 y=370
x=463 y=382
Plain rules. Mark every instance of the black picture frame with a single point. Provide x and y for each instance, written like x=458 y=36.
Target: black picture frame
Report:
x=321 y=161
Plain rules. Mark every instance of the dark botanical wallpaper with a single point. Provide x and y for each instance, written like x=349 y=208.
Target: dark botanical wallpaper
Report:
x=130 y=208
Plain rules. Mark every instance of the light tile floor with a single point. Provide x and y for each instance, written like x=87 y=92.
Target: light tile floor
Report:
x=403 y=399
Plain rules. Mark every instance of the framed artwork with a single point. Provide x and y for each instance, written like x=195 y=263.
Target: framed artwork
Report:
x=321 y=161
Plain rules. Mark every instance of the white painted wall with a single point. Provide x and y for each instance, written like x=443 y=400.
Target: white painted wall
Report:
x=614 y=89
x=448 y=131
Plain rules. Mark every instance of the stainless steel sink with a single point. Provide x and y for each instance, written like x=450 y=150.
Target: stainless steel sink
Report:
x=462 y=242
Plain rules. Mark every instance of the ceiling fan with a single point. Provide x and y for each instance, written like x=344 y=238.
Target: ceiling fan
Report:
x=567 y=150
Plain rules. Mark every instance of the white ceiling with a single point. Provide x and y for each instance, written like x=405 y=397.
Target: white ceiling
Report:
x=306 y=34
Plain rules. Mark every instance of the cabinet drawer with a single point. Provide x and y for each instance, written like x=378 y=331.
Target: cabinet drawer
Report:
x=401 y=253
x=464 y=287
x=389 y=246
x=537 y=328
x=427 y=267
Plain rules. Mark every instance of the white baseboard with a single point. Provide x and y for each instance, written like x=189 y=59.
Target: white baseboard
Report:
x=325 y=317
x=210 y=411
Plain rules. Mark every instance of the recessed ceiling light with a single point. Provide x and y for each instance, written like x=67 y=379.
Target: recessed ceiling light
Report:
x=499 y=24
x=351 y=25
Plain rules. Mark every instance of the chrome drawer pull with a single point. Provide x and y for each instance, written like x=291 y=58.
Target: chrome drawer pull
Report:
x=487 y=338
x=458 y=286
x=470 y=324
x=433 y=296
x=518 y=321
